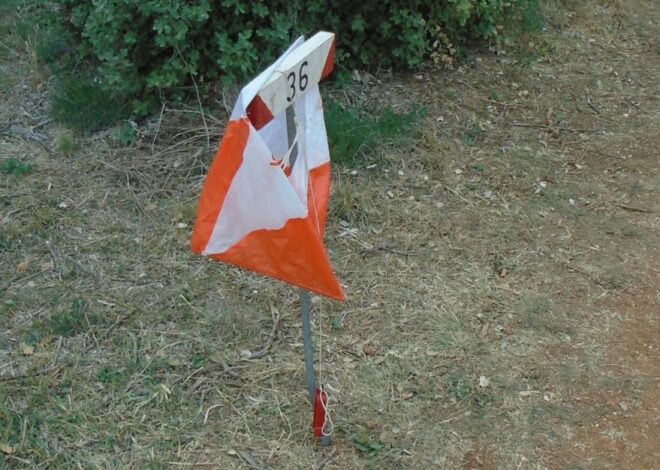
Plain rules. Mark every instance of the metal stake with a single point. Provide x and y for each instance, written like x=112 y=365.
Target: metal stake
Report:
x=304 y=295
x=309 y=347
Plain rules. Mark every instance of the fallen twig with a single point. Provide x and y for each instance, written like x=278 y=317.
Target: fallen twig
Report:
x=31 y=134
x=248 y=459
x=109 y=330
x=636 y=209
x=631 y=103
x=330 y=458
x=43 y=123
x=229 y=370
x=458 y=195
x=560 y=128
x=590 y=104
x=15 y=279
x=212 y=407
x=160 y=121
x=389 y=250
x=29 y=375
x=266 y=347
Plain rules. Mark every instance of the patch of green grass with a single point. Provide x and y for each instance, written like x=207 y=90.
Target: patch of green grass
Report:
x=458 y=386
x=66 y=144
x=13 y=425
x=449 y=331
x=110 y=375
x=51 y=46
x=482 y=399
x=367 y=444
x=480 y=166
x=523 y=29
x=496 y=95
x=5 y=243
x=470 y=136
x=341 y=78
x=85 y=106
x=12 y=166
x=39 y=30
x=528 y=52
x=6 y=81
x=531 y=17
x=126 y=133
x=69 y=322
x=527 y=18
x=501 y=264
x=355 y=135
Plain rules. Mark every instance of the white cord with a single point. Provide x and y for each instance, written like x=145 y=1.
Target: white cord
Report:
x=326 y=411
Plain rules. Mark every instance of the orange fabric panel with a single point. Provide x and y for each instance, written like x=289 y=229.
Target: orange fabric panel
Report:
x=223 y=169
x=329 y=61
x=319 y=194
x=295 y=253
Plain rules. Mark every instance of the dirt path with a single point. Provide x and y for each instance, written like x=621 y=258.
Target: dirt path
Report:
x=629 y=435
x=596 y=99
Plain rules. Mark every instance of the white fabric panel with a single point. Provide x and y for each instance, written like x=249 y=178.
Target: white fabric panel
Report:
x=316 y=138
x=274 y=134
x=258 y=189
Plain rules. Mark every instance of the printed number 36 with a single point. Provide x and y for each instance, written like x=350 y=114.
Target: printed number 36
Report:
x=303 y=80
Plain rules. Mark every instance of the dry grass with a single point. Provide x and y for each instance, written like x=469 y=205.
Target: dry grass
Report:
x=496 y=271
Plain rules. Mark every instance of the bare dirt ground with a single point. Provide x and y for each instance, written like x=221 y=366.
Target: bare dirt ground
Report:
x=503 y=278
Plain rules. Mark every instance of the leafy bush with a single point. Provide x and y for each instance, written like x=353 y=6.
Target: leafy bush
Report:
x=144 y=49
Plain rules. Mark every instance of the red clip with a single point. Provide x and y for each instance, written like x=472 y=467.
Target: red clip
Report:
x=320 y=411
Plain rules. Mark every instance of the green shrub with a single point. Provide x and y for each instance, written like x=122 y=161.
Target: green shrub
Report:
x=142 y=50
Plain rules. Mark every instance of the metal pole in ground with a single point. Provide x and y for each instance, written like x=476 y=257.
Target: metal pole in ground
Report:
x=309 y=352
x=309 y=347
x=305 y=304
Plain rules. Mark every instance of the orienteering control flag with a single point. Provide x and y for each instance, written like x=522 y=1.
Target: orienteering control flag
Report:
x=264 y=203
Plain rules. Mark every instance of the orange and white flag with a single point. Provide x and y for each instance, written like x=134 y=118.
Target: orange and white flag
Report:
x=264 y=203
